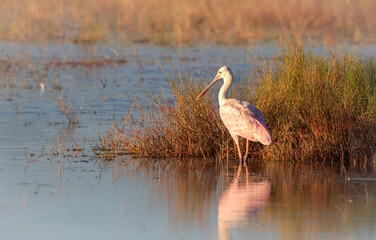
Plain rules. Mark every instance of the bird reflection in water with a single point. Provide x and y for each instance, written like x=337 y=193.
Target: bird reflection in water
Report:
x=242 y=200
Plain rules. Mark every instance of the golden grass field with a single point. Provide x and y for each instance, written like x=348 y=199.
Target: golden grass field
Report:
x=187 y=21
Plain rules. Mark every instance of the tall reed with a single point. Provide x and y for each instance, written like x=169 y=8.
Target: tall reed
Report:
x=317 y=108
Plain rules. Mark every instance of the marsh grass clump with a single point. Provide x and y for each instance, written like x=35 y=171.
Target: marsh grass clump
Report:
x=67 y=111
x=179 y=128
x=317 y=109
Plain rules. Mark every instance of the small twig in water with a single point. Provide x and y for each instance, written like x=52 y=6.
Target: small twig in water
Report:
x=67 y=110
x=59 y=187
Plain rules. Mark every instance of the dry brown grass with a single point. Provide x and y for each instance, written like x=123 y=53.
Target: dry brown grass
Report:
x=186 y=21
x=67 y=111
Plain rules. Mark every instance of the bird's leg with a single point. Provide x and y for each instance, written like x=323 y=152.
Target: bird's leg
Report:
x=236 y=140
x=240 y=153
x=246 y=172
x=239 y=171
x=246 y=153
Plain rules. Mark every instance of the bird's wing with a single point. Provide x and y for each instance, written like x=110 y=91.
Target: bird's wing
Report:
x=245 y=120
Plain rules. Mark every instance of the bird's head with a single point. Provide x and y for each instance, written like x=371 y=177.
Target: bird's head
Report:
x=223 y=73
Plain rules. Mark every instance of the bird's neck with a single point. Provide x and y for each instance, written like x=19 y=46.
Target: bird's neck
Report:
x=222 y=96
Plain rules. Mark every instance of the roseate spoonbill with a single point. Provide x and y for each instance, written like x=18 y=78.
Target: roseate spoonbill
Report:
x=240 y=118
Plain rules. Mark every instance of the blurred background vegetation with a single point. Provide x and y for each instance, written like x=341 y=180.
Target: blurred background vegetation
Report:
x=187 y=22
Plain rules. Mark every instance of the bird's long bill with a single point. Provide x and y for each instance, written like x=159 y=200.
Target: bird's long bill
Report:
x=207 y=88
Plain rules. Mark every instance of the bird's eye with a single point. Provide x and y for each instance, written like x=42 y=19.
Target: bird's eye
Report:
x=220 y=72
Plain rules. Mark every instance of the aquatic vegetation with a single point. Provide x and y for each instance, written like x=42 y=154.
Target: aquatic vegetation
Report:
x=183 y=128
x=186 y=21
x=67 y=110
x=317 y=109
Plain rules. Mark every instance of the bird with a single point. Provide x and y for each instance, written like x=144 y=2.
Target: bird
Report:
x=241 y=119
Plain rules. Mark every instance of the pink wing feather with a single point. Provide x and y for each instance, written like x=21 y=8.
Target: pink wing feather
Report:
x=244 y=120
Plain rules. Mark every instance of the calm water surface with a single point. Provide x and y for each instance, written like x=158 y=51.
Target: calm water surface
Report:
x=73 y=195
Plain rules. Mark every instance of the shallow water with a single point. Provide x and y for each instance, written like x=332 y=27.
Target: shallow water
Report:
x=74 y=195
